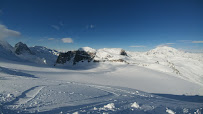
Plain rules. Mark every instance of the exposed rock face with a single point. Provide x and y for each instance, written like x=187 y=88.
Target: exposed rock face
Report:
x=83 y=56
x=64 y=57
x=21 y=48
x=88 y=54
x=75 y=57
x=123 y=52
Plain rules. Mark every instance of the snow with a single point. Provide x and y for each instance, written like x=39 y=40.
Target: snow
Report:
x=109 y=106
x=135 y=105
x=169 y=111
x=104 y=87
x=87 y=49
x=109 y=54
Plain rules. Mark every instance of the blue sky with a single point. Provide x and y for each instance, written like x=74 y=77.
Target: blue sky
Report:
x=135 y=25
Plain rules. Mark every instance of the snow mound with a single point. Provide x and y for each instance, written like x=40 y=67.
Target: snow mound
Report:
x=87 y=49
x=164 y=50
x=169 y=111
x=109 y=106
x=135 y=105
x=110 y=54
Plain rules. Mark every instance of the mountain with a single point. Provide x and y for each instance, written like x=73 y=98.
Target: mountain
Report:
x=21 y=52
x=21 y=48
x=7 y=51
x=187 y=66
x=87 y=54
x=48 y=55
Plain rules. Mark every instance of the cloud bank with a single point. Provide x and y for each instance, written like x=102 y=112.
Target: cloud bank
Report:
x=5 y=32
x=138 y=46
x=197 y=41
x=67 y=40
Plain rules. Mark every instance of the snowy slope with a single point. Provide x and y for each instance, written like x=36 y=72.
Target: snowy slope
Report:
x=7 y=51
x=110 y=54
x=36 y=54
x=108 y=86
x=184 y=65
x=35 y=89
x=48 y=55
x=87 y=49
x=187 y=66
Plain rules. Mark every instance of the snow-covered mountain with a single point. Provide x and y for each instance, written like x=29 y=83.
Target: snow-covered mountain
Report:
x=119 y=81
x=88 y=55
x=21 y=52
x=48 y=55
x=7 y=51
x=165 y=59
x=187 y=66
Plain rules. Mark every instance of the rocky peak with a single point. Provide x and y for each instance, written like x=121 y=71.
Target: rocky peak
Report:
x=21 y=48
x=123 y=52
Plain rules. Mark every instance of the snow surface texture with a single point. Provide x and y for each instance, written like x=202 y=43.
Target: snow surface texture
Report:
x=40 y=89
x=105 y=87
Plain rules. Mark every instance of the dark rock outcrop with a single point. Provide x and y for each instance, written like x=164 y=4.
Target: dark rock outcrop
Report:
x=64 y=57
x=21 y=48
x=75 y=57
x=83 y=56
x=123 y=53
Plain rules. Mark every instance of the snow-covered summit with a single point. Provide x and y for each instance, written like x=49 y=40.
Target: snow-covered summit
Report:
x=21 y=48
x=110 y=54
x=7 y=51
x=6 y=46
x=87 y=49
x=164 y=50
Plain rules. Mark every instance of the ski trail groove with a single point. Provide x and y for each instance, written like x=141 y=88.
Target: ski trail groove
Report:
x=26 y=96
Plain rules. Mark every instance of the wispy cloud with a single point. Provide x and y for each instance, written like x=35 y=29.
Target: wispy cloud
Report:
x=185 y=41
x=51 y=38
x=138 y=46
x=170 y=43
x=91 y=26
x=190 y=41
x=55 y=27
x=5 y=32
x=67 y=40
x=197 y=41
x=165 y=44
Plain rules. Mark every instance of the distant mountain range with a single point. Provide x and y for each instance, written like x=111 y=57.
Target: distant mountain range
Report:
x=164 y=59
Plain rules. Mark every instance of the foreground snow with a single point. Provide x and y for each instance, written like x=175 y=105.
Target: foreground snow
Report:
x=105 y=88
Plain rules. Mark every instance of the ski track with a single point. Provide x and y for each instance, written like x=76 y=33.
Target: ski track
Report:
x=123 y=98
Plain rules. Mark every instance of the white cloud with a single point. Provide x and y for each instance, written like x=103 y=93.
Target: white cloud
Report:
x=170 y=43
x=190 y=41
x=90 y=26
x=67 y=40
x=197 y=41
x=138 y=46
x=51 y=38
x=166 y=44
x=5 y=32
x=185 y=41
x=55 y=27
